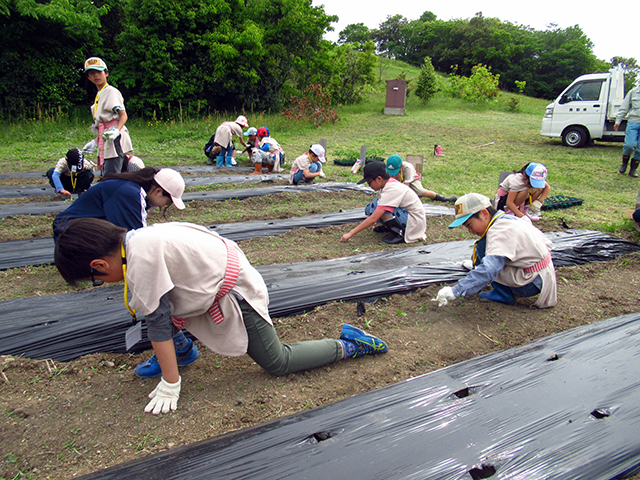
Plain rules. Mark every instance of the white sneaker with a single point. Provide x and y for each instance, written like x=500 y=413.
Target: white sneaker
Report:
x=233 y=162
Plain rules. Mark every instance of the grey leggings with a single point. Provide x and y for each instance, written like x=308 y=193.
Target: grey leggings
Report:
x=267 y=351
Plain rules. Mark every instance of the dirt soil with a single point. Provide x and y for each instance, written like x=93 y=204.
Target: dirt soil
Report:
x=63 y=420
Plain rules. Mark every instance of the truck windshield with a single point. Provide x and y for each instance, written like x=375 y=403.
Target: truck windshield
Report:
x=583 y=91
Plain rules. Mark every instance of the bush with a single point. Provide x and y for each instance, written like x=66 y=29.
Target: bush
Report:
x=312 y=105
x=482 y=85
x=428 y=84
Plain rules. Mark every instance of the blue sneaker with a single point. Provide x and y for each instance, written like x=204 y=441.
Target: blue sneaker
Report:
x=366 y=344
x=151 y=368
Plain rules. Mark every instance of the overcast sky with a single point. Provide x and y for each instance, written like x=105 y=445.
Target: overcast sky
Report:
x=613 y=33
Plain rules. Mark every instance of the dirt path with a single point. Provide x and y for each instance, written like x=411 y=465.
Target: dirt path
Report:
x=62 y=420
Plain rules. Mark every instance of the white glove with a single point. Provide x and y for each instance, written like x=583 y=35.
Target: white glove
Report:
x=445 y=295
x=322 y=174
x=111 y=134
x=164 y=398
x=468 y=264
x=94 y=128
x=90 y=147
x=535 y=207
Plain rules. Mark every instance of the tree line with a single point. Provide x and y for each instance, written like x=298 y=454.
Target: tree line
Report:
x=191 y=56
x=200 y=56
x=546 y=60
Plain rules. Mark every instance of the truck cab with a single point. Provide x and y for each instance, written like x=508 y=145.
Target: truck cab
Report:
x=586 y=110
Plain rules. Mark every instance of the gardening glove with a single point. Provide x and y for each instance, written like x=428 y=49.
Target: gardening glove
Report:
x=164 y=398
x=111 y=134
x=321 y=174
x=445 y=295
x=468 y=264
x=90 y=147
x=535 y=207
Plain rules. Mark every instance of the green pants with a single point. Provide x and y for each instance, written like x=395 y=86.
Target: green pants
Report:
x=267 y=351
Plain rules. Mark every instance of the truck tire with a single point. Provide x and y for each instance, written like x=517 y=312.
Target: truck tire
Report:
x=576 y=137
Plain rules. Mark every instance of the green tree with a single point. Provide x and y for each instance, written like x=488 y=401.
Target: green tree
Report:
x=355 y=33
x=352 y=71
x=389 y=37
x=43 y=47
x=428 y=84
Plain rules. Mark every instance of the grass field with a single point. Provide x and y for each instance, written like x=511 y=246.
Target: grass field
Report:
x=463 y=129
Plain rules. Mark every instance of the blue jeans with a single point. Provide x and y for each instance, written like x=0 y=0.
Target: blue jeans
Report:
x=299 y=175
x=398 y=212
x=631 y=137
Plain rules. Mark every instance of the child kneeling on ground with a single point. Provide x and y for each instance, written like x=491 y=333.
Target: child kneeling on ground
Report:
x=398 y=208
x=181 y=275
x=512 y=255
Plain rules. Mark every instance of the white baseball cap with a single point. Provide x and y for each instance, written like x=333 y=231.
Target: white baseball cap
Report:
x=319 y=151
x=467 y=205
x=171 y=182
x=94 y=63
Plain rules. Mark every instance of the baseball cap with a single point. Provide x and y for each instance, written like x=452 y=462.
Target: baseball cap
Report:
x=319 y=151
x=94 y=63
x=75 y=160
x=537 y=174
x=171 y=182
x=262 y=132
x=394 y=163
x=251 y=131
x=373 y=170
x=467 y=205
x=242 y=120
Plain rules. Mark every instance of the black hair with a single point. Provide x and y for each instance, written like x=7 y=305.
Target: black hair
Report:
x=144 y=177
x=523 y=170
x=84 y=240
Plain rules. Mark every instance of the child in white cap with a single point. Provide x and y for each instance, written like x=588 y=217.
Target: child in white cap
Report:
x=523 y=192
x=512 y=255
x=308 y=166
x=182 y=275
x=109 y=118
x=222 y=146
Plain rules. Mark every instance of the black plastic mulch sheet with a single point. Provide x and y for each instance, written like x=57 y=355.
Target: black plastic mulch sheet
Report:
x=42 y=208
x=186 y=169
x=562 y=407
x=39 y=251
x=38 y=190
x=64 y=327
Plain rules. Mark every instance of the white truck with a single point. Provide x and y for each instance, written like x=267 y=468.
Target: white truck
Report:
x=586 y=110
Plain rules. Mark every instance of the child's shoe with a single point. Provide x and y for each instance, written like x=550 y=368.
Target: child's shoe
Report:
x=358 y=343
x=151 y=368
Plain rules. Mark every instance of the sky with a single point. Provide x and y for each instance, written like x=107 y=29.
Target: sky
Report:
x=608 y=31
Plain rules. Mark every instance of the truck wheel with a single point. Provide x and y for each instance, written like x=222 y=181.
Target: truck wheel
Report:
x=575 y=137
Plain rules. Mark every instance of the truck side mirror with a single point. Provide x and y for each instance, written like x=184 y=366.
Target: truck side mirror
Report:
x=564 y=99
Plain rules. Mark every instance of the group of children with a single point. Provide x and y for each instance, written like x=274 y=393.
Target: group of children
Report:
x=181 y=275
x=512 y=255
